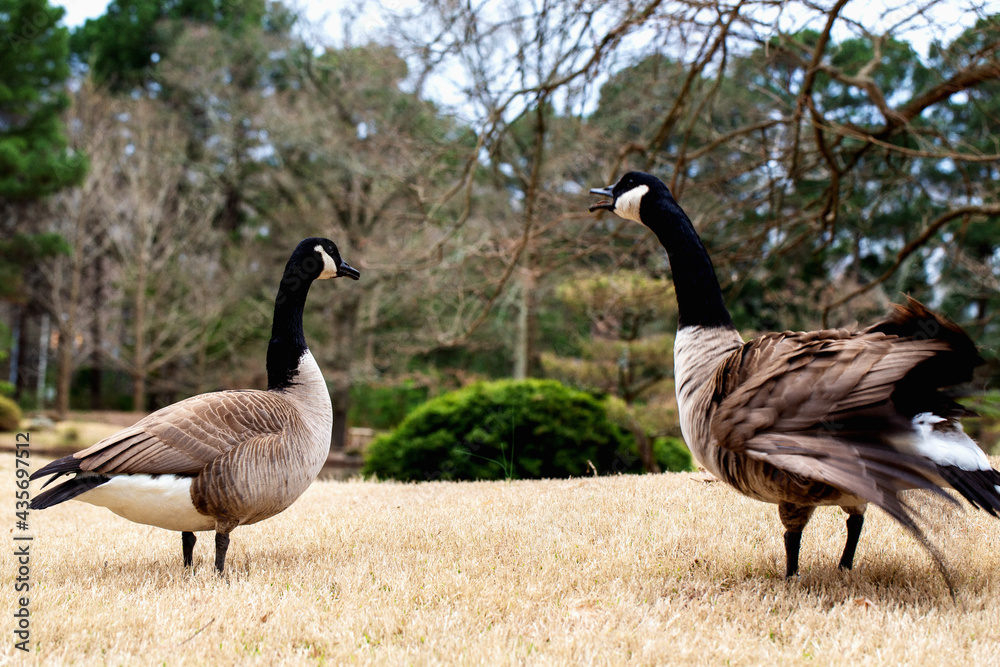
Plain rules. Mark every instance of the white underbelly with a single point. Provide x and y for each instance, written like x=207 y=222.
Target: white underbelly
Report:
x=161 y=500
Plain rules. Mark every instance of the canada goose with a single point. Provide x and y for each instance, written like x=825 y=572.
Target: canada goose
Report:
x=224 y=459
x=802 y=419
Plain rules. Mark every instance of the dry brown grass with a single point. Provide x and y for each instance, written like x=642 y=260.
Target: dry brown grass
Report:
x=659 y=569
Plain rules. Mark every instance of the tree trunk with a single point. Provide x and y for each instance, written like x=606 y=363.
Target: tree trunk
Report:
x=343 y=325
x=17 y=316
x=67 y=331
x=525 y=362
x=43 y=359
x=139 y=358
x=371 y=318
x=645 y=448
x=25 y=352
x=64 y=371
x=97 y=336
x=138 y=392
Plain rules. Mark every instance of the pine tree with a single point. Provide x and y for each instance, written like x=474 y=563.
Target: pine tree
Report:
x=34 y=59
x=124 y=45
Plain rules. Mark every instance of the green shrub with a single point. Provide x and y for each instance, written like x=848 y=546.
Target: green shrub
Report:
x=672 y=455
x=503 y=429
x=10 y=414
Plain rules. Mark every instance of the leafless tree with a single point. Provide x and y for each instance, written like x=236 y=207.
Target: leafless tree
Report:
x=167 y=250
x=527 y=70
x=80 y=216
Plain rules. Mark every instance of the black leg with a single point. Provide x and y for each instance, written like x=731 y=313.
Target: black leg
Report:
x=187 y=544
x=794 y=518
x=792 y=543
x=221 y=546
x=854 y=524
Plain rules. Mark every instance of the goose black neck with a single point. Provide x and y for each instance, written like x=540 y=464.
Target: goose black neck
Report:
x=288 y=340
x=699 y=297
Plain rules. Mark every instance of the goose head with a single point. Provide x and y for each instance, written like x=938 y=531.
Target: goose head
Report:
x=318 y=259
x=626 y=196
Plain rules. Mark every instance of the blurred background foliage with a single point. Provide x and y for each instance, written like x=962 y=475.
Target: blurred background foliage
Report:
x=157 y=164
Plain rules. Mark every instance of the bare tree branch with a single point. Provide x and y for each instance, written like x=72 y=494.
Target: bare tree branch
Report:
x=912 y=247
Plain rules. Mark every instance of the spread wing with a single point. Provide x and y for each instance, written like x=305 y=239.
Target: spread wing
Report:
x=182 y=438
x=820 y=405
x=793 y=382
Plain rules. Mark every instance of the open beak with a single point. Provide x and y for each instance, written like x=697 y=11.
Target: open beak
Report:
x=346 y=269
x=606 y=204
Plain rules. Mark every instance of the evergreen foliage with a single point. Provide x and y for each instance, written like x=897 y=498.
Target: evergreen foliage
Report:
x=20 y=253
x=501 y=430
x=672 y=455
x=34 y=59
x=132 y=36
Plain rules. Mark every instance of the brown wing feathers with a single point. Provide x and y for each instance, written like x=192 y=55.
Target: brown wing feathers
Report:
x=795 y=382
x=817 y=404
x=182 y=438
x=920 y=390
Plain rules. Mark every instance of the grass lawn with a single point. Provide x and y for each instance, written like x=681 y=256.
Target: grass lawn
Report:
x=656 y=569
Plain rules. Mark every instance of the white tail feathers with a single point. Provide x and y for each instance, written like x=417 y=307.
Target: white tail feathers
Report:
x=944 y=442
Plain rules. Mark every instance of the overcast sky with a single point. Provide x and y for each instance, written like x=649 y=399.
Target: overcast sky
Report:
x=78 y=11
x=326 y=11
x=947 y=22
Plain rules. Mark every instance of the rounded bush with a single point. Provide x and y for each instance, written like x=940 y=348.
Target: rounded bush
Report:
x=502 y=430
x=672 y=455
x=10 y=415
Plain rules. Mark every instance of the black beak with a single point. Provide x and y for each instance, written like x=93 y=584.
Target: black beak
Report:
x=347 y=270
x=606 y=204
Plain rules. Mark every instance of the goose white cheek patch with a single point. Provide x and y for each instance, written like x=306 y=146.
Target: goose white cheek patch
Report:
x=627 y=204
x=329 y=264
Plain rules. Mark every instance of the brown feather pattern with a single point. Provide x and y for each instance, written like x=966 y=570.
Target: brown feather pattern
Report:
x=808 y=401
x=805 y=417
x=832 y=417
x=184 y=437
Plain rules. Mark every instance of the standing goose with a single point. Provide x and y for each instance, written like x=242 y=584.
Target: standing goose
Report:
x=224 y=459
x=802 y=419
